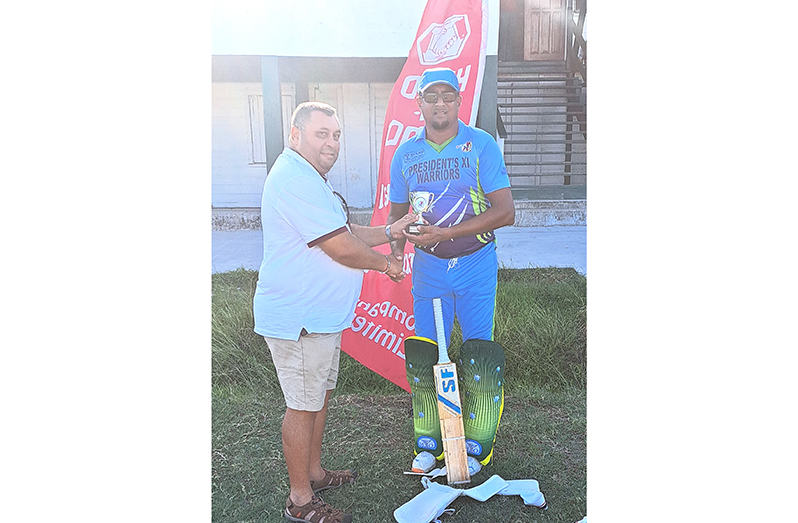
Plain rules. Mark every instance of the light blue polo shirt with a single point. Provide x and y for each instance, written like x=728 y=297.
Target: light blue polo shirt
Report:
x=299 y=285
x=469 y=166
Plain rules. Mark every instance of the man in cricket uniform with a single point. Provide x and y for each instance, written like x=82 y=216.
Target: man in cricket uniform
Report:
x=455 y=259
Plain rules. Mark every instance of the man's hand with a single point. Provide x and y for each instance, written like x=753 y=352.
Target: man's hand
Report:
x=397 y=233
x=396 y=270
x=398 y=260
x=429 y=235
x=500 y=213
x=398 y=227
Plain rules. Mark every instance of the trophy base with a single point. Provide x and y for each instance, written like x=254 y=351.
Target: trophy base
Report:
x=413 y=229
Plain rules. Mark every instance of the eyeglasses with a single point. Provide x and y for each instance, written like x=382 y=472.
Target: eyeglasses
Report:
x=448 y=97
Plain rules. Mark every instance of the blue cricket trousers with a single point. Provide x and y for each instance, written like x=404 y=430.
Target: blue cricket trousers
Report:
x=466 y=287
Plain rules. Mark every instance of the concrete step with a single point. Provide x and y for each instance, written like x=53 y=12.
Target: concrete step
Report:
x=548 y=213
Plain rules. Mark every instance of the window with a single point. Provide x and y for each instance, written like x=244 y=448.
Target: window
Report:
x=257 y=138
x=256 y=124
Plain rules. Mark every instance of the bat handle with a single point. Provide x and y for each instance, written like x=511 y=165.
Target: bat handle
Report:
x=443 y=353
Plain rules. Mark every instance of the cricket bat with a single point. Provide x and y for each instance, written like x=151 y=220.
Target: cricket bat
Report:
x=449 y=408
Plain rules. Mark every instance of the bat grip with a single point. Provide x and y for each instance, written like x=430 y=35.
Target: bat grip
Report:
x=443 y=353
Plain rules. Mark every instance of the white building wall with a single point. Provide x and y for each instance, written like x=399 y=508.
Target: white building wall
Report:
x=238 y=182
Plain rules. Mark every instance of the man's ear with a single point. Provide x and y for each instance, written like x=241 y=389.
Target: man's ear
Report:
x=293 y=136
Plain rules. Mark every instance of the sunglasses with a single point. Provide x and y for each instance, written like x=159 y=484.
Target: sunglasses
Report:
x=448 y=97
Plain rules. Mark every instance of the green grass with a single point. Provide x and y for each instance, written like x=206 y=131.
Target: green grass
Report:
x=541 y=319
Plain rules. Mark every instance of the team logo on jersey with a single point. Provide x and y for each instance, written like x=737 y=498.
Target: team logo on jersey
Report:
x=414 y=156
x=465 y=147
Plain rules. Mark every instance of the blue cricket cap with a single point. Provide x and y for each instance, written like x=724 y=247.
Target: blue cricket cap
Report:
x=441 y=75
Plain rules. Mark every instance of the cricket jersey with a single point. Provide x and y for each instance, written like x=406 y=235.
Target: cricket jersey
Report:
x=459 y=175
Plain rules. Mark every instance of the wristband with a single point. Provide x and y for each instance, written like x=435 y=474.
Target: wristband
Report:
x=388 y=232
x=388 y=268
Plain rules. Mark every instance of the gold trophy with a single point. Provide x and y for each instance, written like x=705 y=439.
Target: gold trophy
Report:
x=421 y=202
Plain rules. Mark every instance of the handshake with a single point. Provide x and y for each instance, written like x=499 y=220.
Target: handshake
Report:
x=395 y=232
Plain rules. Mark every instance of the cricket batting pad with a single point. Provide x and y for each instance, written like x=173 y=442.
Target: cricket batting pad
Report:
x=421 y=354
x=482 y=376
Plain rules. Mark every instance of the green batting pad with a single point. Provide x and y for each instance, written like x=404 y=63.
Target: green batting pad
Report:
x=421 y=354
x=482 y=377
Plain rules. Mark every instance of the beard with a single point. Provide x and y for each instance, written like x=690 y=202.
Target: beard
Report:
x=439 y=125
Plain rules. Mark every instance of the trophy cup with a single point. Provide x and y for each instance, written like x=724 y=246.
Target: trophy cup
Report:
x=421 y=202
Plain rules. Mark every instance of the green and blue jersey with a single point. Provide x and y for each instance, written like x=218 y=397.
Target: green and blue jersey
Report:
x=459 y=173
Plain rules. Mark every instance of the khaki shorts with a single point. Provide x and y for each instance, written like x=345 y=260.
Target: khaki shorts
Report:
x=306 y=368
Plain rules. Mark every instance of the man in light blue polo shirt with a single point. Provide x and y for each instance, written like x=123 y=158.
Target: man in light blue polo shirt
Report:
x=308 y=285
x=455 y=259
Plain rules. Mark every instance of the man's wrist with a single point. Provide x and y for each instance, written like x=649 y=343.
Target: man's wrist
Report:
x=388 y=232
x=388 y=268
x=449 y=233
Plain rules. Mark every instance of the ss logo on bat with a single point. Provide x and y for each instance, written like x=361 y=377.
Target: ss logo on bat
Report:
x=448 y=384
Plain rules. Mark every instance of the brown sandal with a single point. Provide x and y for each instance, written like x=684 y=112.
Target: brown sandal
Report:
x=333 y=479
x=317 y=511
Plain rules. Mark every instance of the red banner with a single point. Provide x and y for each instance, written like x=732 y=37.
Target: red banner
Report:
x=453 y=34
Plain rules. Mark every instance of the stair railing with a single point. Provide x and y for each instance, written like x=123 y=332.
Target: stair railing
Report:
x=576 y=61
x=576 y=50
x=500 y=128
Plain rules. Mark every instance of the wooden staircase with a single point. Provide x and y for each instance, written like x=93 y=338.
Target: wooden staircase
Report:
x=542 y=106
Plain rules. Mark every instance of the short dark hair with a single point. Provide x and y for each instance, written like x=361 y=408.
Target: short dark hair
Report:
x=305 y=109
